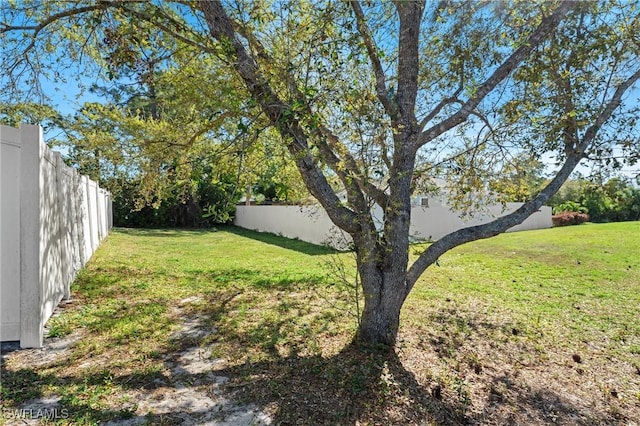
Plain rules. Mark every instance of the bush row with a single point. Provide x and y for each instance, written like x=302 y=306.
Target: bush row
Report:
x=569 y=218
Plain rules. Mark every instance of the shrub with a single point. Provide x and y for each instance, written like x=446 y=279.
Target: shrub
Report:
x=569 y=218
x=570 y=206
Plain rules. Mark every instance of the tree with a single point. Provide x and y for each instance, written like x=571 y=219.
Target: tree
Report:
x=165 y=141
x=377 y=95
x=12 y=114
x=521 y=180
x=613 y=201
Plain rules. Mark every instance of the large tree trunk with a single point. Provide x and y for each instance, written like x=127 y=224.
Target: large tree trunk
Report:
x=383 y=265
x=383 y=279
x=381 y=315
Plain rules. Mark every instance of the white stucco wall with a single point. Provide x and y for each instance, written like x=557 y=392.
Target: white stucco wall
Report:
x=437 y=220
x=307 y=223
x=312 y=224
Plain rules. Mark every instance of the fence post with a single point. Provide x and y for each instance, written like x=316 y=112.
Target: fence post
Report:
x=10 y=228
x=81 y=214
x=90 y=213
x=110 y=211
x=96 y=216
x=99 y=212
x=31 y=292
x=86 y=225
x=64 y=224
x=74 y=196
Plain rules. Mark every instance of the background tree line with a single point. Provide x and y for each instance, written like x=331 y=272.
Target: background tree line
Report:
x=616 y=200
x=605 y=198
x=174 y=150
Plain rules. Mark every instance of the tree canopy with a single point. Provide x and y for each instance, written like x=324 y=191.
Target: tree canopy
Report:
x=368 y=98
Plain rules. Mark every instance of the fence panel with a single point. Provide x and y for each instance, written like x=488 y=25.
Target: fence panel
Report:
x=10 y=233
x=49 y=229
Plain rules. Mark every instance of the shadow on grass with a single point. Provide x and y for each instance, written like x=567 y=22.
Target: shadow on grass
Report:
x=278 y=324
x=161 y=232
x=356 y=385
x=262 y=280
x=541 y=406
x=77 y=402
x=283 y=242
x=264 y=237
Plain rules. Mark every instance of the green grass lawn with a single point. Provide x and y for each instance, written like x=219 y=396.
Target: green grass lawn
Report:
x=565 y=283
x=525 y=328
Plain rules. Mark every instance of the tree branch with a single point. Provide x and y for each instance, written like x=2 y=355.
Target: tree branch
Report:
x=45 y=23
x=173 y=31
x=210 y=126
x=332 y=151
x=495 y=227
x=378 y=195
x=410 y=14
x=372 y=50
x=53 y=18
x=547 y=25
x=611 y=106
x=443 y=103
x=279 y=114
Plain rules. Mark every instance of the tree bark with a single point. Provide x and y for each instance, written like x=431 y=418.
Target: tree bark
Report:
x=382 y=267
x=383 y=299
x=380 y=321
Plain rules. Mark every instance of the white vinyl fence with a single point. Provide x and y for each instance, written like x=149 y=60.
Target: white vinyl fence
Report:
x=51 y=221
x=312 y=224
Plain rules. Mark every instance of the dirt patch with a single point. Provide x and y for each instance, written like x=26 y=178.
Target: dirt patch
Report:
x=505 y=375
x=188 y=392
